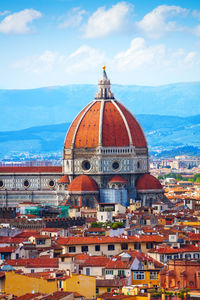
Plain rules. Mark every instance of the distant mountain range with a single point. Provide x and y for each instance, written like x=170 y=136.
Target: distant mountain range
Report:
x=168 y=134
x=54 y=105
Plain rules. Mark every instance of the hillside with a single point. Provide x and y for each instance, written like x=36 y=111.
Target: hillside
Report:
x=54 y=105
x=164 y=133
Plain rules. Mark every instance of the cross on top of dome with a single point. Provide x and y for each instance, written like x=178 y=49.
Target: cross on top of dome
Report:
x=104 y=91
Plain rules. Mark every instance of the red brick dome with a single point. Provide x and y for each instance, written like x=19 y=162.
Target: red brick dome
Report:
x=108 y=124
x=148 y=182
x=105 y=122
x=83 y=183
x=63 y=179
x=118 y=179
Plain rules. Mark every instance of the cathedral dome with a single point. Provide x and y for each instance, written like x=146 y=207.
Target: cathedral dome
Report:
x=63 y=179
x=148 y=182
x=105 y=122
x=118 y=179
x=83 y=183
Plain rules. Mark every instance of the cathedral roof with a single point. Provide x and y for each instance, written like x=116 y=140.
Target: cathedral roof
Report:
x=118 y=178
x=83 y=183
x=105 y=122
x=148 y=182
x=32 y=169
x=63 y=179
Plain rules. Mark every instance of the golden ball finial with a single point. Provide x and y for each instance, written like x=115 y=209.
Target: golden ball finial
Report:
x=104 y=67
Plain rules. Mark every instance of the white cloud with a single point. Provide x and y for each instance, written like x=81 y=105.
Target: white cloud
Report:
x=104 y=22
x=83 y=59
x=73 y=18
x=190 y=58
x=3 y=13
x=18 y=22
x=155 y=24
x=142 y=63
x=37 y=63
x=196 y=14
x=140 y=56
x=196 y=30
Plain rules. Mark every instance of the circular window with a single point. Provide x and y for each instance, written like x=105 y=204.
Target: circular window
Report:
x=1 y=184
x=26 y=183
x=115 y=165
x=51 y=183
x=86 y=165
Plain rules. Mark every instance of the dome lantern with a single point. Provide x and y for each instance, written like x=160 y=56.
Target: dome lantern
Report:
x=104 y=91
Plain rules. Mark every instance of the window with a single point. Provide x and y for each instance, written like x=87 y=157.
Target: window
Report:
x=137 y=246
x=51 y=183
x=109 y=272
x=72 y=249
x=62 y=259
x=124 y=246
x=86 y=165
x=97 y=248
x=41 y=242
x=149 y=245
x=97 y=290
x=153 y=275
x=26 y=183
x=108 y=290
x=84 y=248
x=1 y=184
x=32 y=271
x=121 y=273
x=138 y=275
x=88 y=271
x=115 y=165
x=111 y=247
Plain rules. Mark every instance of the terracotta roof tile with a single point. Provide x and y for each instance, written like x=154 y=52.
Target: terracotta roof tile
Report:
x=63 y=179
x=118 y=178
x=148 y=182
x=83 y=183
x=34 y=262
x=38 y=169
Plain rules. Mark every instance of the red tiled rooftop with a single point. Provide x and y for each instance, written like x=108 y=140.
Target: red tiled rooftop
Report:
x=168 y=250
x=63 y=179
x=34 y=262
x=118 y=178
x=38 y=169
x=85 y=129
x=148 y=182
x=75 y=240
x=12 y=240
x=29 y=296
x=7 y=249
x=83 y=183
x=100 y=261
x=115 y=263
x=146 y=238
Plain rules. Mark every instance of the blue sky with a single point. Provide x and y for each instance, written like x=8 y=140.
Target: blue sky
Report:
x=59 y=42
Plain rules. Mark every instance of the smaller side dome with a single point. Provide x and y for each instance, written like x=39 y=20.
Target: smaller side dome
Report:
x=117 y=179
x=148 y=182
x=83 y=183
x=63 y=179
